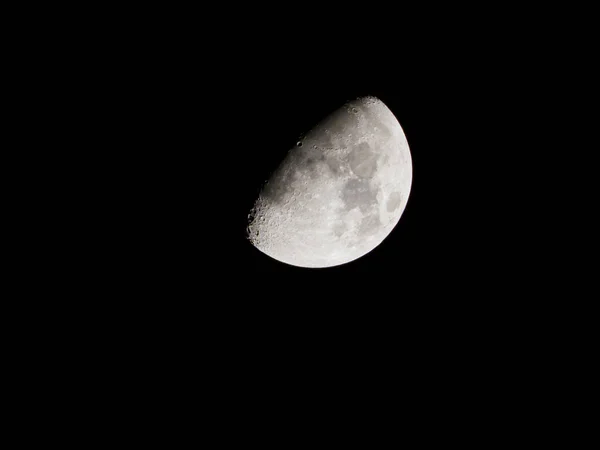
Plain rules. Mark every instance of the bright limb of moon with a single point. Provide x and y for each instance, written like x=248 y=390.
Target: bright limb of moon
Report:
x=339 y=192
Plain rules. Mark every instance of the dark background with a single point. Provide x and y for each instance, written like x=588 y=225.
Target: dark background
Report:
x=182 y=117
x=207 y=119
x=169 y=121
x=157 y=129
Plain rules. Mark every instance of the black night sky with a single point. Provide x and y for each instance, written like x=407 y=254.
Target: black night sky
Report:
x=193 y=119
x=167 y=121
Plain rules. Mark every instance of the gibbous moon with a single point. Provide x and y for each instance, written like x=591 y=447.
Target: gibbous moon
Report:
x=339 y=192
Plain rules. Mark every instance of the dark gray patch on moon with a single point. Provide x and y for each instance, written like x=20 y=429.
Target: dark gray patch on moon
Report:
x=334 y=165
x=311 y=166
x=369 y=225
x=313 y=153
x=323 y=140
x=363 y=161
x=309 y=159
x=340 y=123
x=358 y=193
x=394 y=201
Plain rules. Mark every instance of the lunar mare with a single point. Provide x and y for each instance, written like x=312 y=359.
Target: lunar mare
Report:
x=339 y=192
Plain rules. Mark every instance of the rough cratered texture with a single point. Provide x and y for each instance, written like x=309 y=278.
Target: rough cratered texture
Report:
x=337 y=194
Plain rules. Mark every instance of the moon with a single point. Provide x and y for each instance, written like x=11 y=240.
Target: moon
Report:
x=339 y=192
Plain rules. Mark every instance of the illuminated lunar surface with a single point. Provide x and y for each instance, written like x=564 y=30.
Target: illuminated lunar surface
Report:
x=339 y=192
